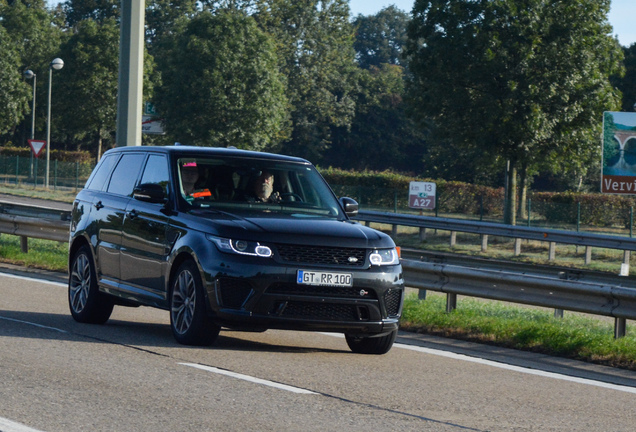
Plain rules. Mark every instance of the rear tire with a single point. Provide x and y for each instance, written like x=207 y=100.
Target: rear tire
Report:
x=86 y=303
x=371 y=345
x=188 y=318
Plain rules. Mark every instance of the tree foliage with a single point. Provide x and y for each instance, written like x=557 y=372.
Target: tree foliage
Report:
x=381 y=135
x=380 y=38
x=221 y=84
x=315 y=46
x=14 y=92
x=523 y=79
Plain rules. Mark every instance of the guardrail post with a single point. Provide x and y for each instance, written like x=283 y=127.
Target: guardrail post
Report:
x=517 y=246
x=422 y=234
x=24 y=244
x=558 y=313
x=394 y=231
x=588 y=254
x=451 y=302
x=625 y=264
x=421 y=295
x=453 y=238
x=484 y=242
x=552 y=251
x=620 y=327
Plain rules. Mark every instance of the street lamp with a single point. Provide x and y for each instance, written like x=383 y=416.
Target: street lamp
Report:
x=28 y=74
x=56 y=64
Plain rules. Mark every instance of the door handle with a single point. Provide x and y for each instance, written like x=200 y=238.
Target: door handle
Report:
x=99 y=205
x=133 y=214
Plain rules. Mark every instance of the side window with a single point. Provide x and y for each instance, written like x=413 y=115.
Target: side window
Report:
x=156 y=171
x=99 y=177
x=125 y=175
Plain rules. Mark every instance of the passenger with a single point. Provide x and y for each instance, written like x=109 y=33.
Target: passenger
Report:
x=189 y=178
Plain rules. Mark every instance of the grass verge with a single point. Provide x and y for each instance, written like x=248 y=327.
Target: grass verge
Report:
x=576 y=336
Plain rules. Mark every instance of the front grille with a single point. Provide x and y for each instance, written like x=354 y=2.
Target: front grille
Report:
x=233 y=292
x=320 y=311
x=392 y=300
x=321 y=255
x=321 y=291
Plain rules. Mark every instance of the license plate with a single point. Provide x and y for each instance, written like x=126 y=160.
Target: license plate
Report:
x=306 y=277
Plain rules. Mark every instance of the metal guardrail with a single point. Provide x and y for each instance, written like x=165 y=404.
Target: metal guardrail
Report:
x=35 y=222
x=512 y=231
x=594 y=293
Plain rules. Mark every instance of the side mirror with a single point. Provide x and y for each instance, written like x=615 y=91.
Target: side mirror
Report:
x=150 y=192
x=349 y=205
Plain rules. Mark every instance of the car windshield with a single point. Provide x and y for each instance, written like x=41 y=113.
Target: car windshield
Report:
x=242 y=185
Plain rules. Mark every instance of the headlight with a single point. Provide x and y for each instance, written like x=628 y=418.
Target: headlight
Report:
x=384 y=257
x=241 y=247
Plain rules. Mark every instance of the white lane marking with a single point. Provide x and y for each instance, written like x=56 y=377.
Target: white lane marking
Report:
x=499 y=365
x=32 y=324
x=249 y=378
x=521 y=369
x=33 y=279
x=7 y=425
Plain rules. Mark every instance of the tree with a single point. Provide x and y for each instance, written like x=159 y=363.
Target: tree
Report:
x=315 y=46
x=221 y=84
x=14 y=92
x=85 y=103
x=380 y=38
x=381 y=135
x=627 y=83
x=32 y=35
x=96 y=10
x=523 y=79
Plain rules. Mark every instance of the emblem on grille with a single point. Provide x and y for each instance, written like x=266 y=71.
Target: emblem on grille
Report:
x=363 y=293
x=353 y=259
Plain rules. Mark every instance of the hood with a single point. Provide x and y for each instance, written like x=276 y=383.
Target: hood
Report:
x=287 y=228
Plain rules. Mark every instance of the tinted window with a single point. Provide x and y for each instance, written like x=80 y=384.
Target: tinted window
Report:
x=99 y=177
x=156 y=171
x=125 y=175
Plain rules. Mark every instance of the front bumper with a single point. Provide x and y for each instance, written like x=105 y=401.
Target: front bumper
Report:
x=254 y=296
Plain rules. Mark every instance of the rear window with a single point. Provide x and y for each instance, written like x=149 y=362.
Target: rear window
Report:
x=100 y=175
x=125 y=175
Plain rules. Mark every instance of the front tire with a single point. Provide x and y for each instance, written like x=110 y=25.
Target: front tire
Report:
x=371 y=345
x=86 y=303
x=188 y=319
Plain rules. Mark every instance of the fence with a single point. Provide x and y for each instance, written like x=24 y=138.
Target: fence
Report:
x=30 y=171
x=608 y=215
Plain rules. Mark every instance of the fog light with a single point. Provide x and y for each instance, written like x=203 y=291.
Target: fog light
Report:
x=263 y=251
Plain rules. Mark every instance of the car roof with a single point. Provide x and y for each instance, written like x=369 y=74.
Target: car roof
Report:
x=181 y=150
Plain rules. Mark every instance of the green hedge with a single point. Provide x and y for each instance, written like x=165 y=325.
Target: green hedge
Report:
x=59 y=155
x=385 y=189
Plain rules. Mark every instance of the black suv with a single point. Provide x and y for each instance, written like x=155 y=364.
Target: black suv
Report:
x=230 y=238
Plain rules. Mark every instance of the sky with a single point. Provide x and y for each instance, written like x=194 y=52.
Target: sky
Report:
x=622 y=14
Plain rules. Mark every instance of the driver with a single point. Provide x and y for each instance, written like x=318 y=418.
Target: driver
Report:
x=263 y=189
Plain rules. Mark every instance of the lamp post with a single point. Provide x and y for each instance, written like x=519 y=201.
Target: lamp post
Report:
x=28 y=74
x=56 y=64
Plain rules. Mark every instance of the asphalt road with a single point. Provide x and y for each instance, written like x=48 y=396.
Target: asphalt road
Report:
x=130 y=375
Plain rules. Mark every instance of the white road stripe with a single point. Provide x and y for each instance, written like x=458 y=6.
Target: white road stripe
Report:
x=478 y=360
x=525 y=370
x=7 y=425
x=249 y=378
x=32 y=324
x=33 y=279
